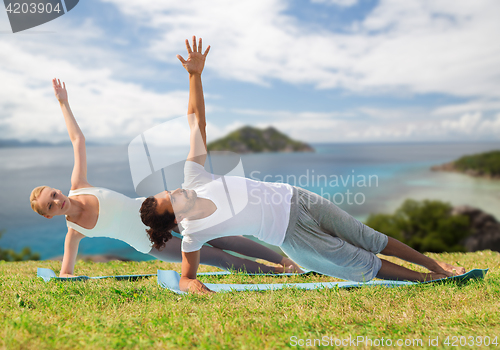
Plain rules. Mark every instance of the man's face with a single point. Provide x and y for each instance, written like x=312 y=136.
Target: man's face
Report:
x=179 y=202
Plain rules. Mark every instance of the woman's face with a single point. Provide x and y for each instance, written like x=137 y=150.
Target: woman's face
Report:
x=53 y=202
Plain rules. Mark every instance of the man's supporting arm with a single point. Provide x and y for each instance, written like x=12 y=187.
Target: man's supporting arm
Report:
x=188 y=281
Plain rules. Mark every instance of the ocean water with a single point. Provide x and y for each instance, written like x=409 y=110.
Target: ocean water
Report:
x=359 y=178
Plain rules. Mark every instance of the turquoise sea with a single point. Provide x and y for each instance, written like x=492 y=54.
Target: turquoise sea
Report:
x=360 y=178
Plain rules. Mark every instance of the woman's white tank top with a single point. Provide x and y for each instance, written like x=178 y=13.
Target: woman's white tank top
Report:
x=119 y=218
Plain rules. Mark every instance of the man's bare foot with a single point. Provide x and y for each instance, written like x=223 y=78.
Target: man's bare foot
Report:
x=434 y=276
x=450 y=270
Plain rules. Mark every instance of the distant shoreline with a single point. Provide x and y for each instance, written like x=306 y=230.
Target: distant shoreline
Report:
x=13 y=143
x=28 y=144
x=101 y=258
x=450 y=167
x=484 y=165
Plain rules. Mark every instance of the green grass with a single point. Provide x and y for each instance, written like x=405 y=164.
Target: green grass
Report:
x=113 y=314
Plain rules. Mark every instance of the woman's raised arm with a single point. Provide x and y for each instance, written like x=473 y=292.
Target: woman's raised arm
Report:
x=79 y=175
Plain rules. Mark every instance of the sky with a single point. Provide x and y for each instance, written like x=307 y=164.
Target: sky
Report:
x=318 y=70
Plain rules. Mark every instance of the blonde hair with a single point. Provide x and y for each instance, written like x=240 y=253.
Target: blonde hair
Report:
x=34 y=198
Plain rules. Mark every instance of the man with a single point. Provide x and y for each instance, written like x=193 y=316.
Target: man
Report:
x=312 y=231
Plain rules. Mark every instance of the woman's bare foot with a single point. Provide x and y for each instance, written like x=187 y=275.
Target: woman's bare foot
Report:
x=289 y=266
x=450 y=270
x=283 y=269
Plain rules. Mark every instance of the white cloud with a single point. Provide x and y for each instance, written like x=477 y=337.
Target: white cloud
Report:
x=411 y=125
x=473 y=105
x=107 y=108
x=343 y=3
x=401 y=47
x=104 y=107
x=442 y=46
x=283 y=114
x=467 y=124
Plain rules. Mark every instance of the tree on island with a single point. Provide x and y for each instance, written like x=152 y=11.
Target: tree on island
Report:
x=253 y=140
x=426 y=226
x=484 y=165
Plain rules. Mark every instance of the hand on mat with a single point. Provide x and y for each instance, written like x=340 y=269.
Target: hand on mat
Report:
x=60 y=91
x=196 y=60
x=66 y=275
x=196 y=287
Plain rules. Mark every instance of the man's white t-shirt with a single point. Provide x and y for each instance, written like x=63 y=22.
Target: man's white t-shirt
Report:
x=244 y=207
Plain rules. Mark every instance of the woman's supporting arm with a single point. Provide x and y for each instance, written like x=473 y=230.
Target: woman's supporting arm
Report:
x=79 y=175
x=71 y=244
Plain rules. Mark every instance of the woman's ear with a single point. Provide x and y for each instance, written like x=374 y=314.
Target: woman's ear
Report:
x=48 y=216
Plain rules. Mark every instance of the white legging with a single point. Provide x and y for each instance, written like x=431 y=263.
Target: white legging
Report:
x=216 y=256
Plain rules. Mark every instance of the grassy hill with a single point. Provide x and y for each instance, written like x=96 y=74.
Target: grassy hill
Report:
x=253 y=140
x=109 y=314
x=483 y=164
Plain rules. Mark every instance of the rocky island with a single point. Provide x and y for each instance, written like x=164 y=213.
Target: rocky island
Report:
x=480 y=165
x=484 y=229
x=253 y=140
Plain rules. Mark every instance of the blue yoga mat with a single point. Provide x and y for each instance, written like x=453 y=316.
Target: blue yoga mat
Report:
x=48 y=274
x=170 y=280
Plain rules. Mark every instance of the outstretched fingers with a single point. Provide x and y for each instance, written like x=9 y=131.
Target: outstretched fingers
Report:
x=199 y=48
x=194 y=44
x=183 y=61
x=196 y=47
x=188 y=47
x=56 y=83
x=206 y=51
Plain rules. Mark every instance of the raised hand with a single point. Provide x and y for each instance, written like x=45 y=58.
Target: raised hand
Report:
x=60 y=91
x=196 y=60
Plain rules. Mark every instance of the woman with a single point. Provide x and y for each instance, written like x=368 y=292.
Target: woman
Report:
x=99 y=212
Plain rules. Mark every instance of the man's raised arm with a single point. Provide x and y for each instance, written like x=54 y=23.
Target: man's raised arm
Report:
x=194 y=66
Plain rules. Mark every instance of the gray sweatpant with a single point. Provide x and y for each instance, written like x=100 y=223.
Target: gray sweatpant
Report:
x=324 y=238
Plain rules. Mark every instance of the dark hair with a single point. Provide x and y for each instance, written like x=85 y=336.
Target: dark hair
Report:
x=161 y=225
